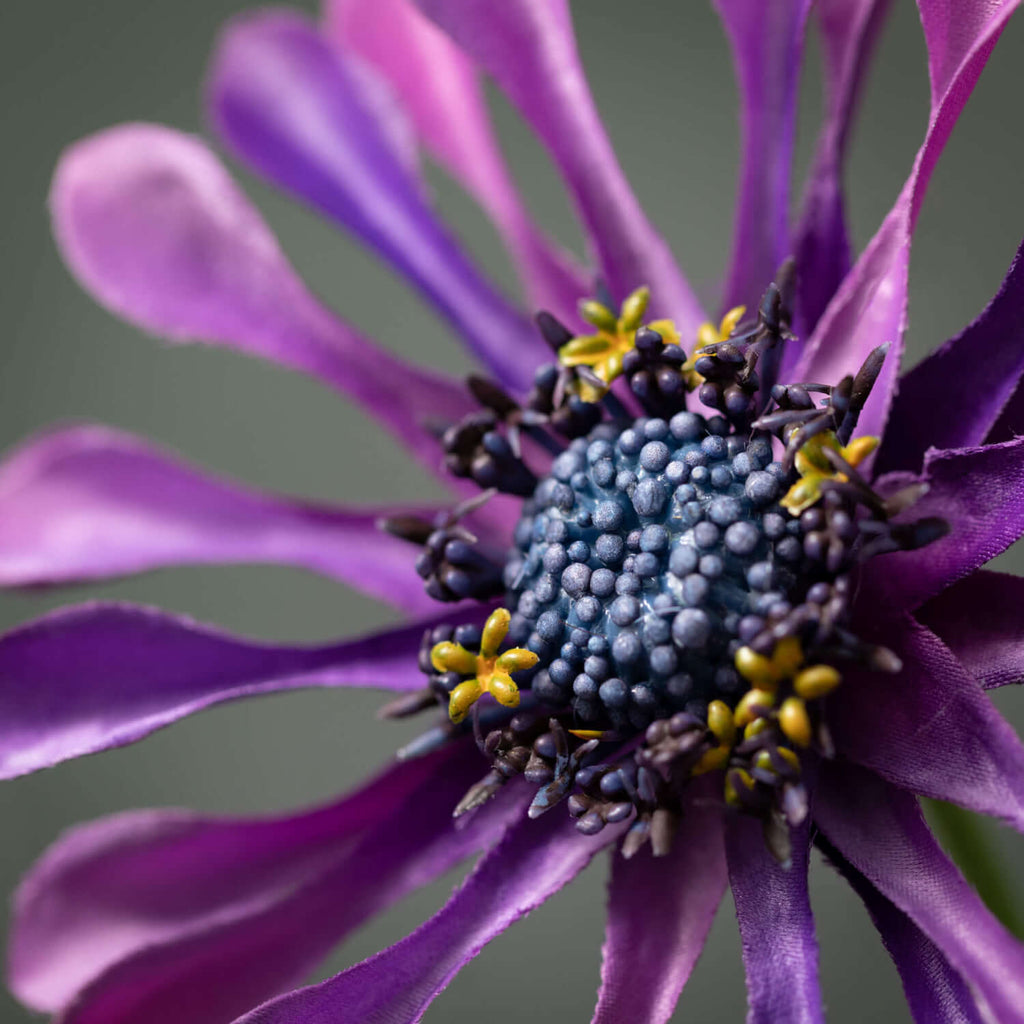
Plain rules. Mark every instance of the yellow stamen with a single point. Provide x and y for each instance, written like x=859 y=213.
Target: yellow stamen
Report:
x=712 y=760
x=765 y=673
x=707 y=335
x=491 y=672
x=816 y=681
x=603 y=352
x=814 y=468
x=733 y=780
x=795 y=722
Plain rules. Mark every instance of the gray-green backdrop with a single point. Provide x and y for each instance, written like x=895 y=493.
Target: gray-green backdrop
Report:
x=661 y=74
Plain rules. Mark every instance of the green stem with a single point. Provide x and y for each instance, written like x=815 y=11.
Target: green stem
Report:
x=971 y=846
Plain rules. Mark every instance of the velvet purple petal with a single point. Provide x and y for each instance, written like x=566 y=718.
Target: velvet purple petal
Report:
x=529 y=49
x=848 y=31
x=659 y=912
x=931 y=728
x=442 y=95
x=870 y=306
x=980 y=620
x=780 y=950
x=285 y=103
x=767 y=47
x=158 y=918
x=880 y=830
x=936 y=993
x=953 y=398
x=96 y=676
x=980 y=493
x=532 y=862
x=153 y=227
x=90 y=502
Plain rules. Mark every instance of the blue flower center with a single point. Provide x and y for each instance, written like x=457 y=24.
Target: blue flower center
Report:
x=652 y=552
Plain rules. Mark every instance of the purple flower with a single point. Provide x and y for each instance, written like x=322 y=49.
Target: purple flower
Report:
x=697 y=661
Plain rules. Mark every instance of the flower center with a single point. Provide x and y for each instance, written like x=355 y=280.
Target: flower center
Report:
x=648 y=557
x=677 y=600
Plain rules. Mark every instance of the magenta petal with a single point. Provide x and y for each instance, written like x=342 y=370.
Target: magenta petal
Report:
x=953 y=398
x=529 y=48
x=936 y=993
x=980 y=493
x=849 y=29
x=90 y=502
x=870 y=306
x=161 y=917
x=443 y=97
x=532 y=862
x=152 y=225
x=285 y=103
x=780 y=950
x=96 y=676
x=980 y=620
x=767 y=47
x=881 y=832
x=659 y=912
x=931 y=729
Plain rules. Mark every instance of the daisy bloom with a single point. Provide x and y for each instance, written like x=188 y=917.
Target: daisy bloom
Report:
x=709 y=590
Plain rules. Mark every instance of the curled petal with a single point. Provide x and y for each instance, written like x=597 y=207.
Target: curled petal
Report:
x=935 y=991
x=849 y=29
x=870 y=306
x=659 y=912
x=881 y=832
x=97 y=676
x=533 y=861
x=529 y=49
x=954 y=397
x=931 y=729
x=780 y=950
x=90 y=502
x=153 y=227
x=286 y=103
x=156 y=917
x=989 y=645
x=979 y=492
x=767 y=45
x=443 y=96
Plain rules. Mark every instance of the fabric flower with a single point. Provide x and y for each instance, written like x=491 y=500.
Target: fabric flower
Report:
x=679 y=594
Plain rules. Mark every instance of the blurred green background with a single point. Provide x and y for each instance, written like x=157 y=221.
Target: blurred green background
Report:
x=661 y=74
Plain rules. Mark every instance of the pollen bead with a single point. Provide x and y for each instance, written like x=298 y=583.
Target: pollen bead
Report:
x=650 y=554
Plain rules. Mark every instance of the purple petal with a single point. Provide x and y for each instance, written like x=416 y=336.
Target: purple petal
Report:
x=980 y=493
x=989 y=644
x=443 y=96
x=288 y=106
x=659 y=912
x=849 y=29
x=931 y=729
x=529 y=49
x=90 y=502
x=881 y=832
x=96 y=676
x=780 y=950
x=532 y=862
x=953 y=398
x=159 y=917
x=870 y=306
x=936 y=993
x=767 y=47
x=153 y=227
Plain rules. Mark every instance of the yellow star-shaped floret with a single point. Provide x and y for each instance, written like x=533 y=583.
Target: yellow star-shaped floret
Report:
x=708 y=335
x=603 y=352
x=814 y=467
x=491 y=672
